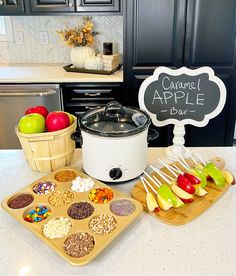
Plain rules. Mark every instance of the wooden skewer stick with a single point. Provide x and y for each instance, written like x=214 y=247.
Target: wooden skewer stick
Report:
x=157 y=180
x=194 y=160
x=184 y=161
x=199 y=158
x=149 y=185
x=160 y=173
x=153 y=180
x=186 y=168
x=167 y=166
x=166 y=175
x=176 y=169
x=144 y=185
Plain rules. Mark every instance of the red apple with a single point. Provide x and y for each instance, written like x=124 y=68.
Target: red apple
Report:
x=40 y=109
x=185 y=184
x=193 y=179
x=57 y=120
x=71 y=117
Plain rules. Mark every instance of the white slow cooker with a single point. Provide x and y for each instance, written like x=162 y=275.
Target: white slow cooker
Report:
x=114 y=142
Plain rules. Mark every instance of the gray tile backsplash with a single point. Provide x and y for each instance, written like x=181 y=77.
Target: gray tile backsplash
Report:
x=41 y=43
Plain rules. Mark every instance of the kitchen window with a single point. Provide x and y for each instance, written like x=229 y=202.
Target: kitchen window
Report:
x=6 y=33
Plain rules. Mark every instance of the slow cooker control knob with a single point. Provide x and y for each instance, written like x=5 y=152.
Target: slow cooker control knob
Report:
x=115 y=173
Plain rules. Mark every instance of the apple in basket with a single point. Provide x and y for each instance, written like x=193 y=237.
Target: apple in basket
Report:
x=57 y=120
x=70 y=116
x=32 y=123
x=40 y=109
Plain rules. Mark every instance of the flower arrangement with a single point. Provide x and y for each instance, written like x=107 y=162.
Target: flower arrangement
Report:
x=79 y=36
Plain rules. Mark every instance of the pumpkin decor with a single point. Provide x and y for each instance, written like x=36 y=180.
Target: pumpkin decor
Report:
x=94 y=63
x=80 y=54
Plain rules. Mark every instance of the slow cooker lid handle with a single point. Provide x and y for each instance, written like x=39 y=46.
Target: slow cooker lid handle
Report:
x=114 y=105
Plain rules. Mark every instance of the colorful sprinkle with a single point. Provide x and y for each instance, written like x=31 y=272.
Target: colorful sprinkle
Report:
x=44 y=187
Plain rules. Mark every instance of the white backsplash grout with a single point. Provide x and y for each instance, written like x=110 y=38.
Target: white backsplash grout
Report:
x=35 y=51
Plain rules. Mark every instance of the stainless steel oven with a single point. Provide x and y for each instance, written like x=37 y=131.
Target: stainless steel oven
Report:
x=15 y=99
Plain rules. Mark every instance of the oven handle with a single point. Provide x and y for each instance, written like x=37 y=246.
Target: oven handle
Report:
x=12 y=93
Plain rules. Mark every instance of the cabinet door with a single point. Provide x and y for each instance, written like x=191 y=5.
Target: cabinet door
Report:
x=11 y=7
x=153 y=36
x=210 y=40
x=99 y=6
x=52 y=6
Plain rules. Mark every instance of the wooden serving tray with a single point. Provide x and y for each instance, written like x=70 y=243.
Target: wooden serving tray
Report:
x=187 y=213
x=101 y=241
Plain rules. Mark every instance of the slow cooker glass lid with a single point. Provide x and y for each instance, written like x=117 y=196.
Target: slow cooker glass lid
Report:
x=115 y=120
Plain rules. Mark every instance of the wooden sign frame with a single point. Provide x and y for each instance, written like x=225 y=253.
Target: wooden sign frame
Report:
x=179 y=131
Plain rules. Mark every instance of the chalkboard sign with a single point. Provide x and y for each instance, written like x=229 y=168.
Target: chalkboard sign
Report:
x=182 y=96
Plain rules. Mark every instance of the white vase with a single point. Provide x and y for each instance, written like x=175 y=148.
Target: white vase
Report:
x=80 y=54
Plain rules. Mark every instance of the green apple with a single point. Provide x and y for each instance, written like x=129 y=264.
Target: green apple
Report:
x=164 y=205
x=200 y=174
x=217 y=176
x=165 y=192
x=32 y=123
x=200 y=191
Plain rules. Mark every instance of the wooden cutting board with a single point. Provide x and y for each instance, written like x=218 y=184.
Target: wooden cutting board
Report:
x=187 y=213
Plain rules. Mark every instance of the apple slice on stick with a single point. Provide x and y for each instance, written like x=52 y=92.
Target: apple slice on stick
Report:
x=192 y=177
x=200 y=191
x=165 y=192
x=184 y=196
x=229 y=177
x=178 y=202
x=150 y=200
x=163 y=204
x=213 y=171
x=197 y=171
x=182 y=181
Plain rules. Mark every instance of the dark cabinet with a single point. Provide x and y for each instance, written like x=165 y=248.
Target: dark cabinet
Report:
x=210 y=40
x=81 y=97
x=99 y=6
x=177 y=33
x=49 y=6
x=11 y=7
x=55 y=7
x=154 y=36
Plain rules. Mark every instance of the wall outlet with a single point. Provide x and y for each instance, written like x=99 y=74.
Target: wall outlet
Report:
x=43 y=37
x=19 y=38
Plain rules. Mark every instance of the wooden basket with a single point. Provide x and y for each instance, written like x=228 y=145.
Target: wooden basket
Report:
x=48 y=151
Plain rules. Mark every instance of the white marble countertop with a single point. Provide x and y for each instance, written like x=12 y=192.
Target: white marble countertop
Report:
x=206 y=246
x=50 y=73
